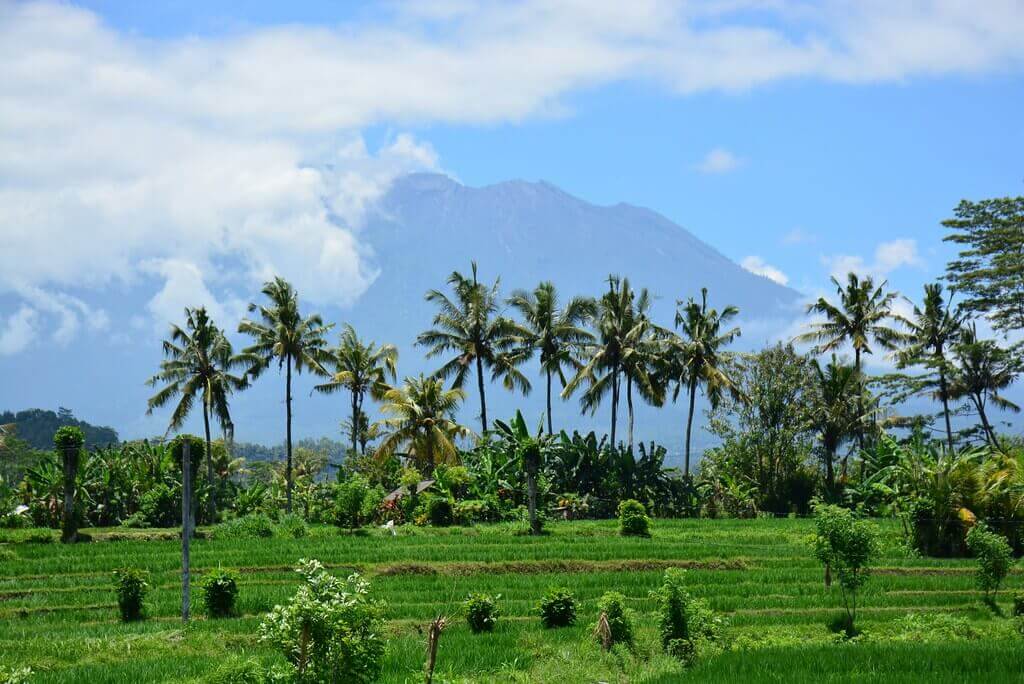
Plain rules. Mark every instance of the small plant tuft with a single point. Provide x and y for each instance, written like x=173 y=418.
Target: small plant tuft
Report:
x=220 y=589
x=688 y=626
x=633 y=520
x=131 y=586
x=481 y=612
x=617 y=628
x=557 y=608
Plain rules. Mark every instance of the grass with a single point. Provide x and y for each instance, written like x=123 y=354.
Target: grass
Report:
x=58 y=614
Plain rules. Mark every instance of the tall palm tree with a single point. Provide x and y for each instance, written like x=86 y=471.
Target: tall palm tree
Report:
x=859 y=318
x=982 y=369
x=835 y=411
x=420 y=416
x=361 y=368
x=555 y=332
x=696 y=357
x=282 y=334
x=470 y=325
x=929 y=333
x=199 y=363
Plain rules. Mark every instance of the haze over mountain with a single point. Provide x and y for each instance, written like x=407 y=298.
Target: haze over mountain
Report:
x=422 y=228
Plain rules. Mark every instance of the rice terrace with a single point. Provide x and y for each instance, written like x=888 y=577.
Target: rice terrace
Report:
x=295 y=386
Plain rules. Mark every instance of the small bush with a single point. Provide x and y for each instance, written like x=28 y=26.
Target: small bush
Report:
x=15 y=675
x=633 y=520
x=842 y=623
x=845 y=546
x=292 y=525
x=252 y=526
x=439 y=511
x=160 y=506
x=1018 y=604
x=687 y=624
x=349 y=501
x=481 y=612
x=220 y=589
x=472 y=511
x=620 y=628
x=557 y=608
x=131 y=586
x=994 y=555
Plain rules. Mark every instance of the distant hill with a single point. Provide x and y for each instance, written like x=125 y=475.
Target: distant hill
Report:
x=37 y=427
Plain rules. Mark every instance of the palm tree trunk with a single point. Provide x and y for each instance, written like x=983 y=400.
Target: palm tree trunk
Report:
x=629 y=405
x=355 y=421
x=830 y=471
x=945 y=408
x=288 y=433
x=480 y=386
x=860 y=401
x=212 y=503
x=615 y=399
x=986 y=426
x=551 y=430
x=689 y=425
x=531 y=499
x=69 y=526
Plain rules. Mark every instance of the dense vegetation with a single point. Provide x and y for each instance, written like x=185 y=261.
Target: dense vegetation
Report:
x=800 y=433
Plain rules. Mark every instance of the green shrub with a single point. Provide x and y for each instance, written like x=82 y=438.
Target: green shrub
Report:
x=252 y=526
x=197 y=449
x=994 y=556
x=330 y=630
x=220 y=589
x=557 y=608
x=1018 y=604
x=472 y=511
x=15 y=675
x=439 y=511
x=349 y=500
x=131 y=586
x=481 y=612
x=842 y=623
x=845 y=545
x=160 y=506
x=40 y=537
x=686 y=624
x=612 y=605
x=633 y=520
x=292 y=525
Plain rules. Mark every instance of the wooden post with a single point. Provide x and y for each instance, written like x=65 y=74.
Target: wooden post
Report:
x=186 y=528
x=69 y=528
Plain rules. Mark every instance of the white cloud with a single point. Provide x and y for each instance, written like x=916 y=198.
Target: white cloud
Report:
x=241 y=155
x=798 y=236
x=17 y=330
x=718 y=161
x=757 y=266
x=889 y=256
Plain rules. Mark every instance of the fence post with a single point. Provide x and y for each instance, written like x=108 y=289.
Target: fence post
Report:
x=186 y=528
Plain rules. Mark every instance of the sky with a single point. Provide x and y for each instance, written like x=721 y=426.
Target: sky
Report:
x=169 y=153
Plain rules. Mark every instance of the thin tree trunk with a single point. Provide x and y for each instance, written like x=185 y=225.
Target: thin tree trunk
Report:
x=69 y=531
x=186 y=530
x=355 y=421
x=989 y=432
x=288 y=434
x=629 y=406
x=212 y=504
x=860 y=401
x=689 y=425
x=531 y=494
x=480 y=386
x=551 y=430
x=615 y=399
x=945 y=408
x=830 y=471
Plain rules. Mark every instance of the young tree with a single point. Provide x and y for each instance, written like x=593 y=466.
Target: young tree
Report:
x=420 y=416
x=860 y=317
x=470 y=326
x=199 y=363
x=696 y=358
x=361 y=368
x=283 y=335
x=989 y=271
x=529 y=449
x=846 y=546
x=930 y=333
x=981 y=370
x=554 y=332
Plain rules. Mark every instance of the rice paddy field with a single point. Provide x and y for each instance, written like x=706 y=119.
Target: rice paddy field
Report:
x=922 y=619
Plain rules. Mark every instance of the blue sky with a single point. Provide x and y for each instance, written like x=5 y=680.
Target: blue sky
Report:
x=141 y=140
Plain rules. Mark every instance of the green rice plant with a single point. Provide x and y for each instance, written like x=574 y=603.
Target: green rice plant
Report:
x=252 y=526
x=557 y=608
x=481 y=612
x=292 y=525
x=220 y=589
x=131 y=586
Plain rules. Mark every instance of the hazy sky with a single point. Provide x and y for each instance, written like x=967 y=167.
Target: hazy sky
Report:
x=159 y=153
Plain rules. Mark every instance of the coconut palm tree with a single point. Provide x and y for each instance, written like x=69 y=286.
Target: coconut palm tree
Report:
x=618 y=314
x=199 y=363
x=470 y=326
x=284 y=336
x=695 y=357
x=555 y=332
x=361 y=368
x=834 y=411
x=981 y=370
x=929 y=333
x=858 y=319
x=420 y=416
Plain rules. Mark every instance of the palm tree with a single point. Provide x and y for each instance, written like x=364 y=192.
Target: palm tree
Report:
x=930 y=332
x=858 y=319
x=616 y=320
x=554 y=332
x=360 y=367
x=835 y=410
x=199 y=363
x=696 y=359
x=420 y=416
x=282 y=334
x=470 y=326
x=982 y=369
